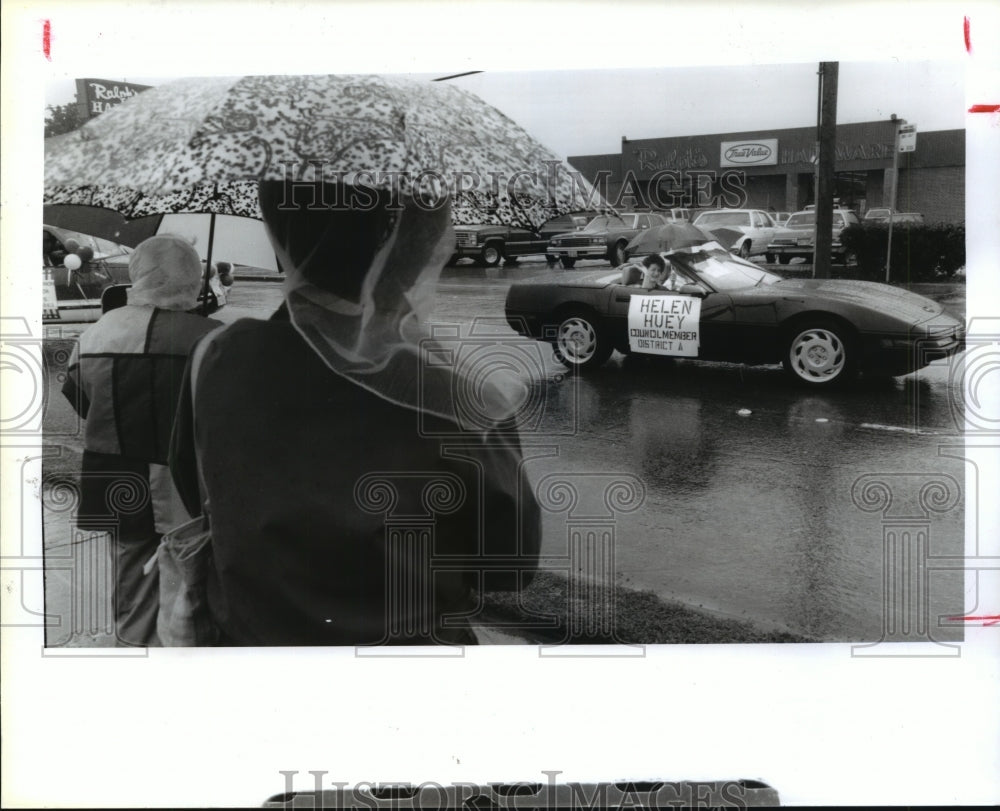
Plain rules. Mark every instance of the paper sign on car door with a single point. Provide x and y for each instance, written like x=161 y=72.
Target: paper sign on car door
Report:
x=664 y=325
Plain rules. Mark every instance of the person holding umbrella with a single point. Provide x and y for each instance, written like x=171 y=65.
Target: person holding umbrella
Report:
x=124 y=379
x=316 y=429
x=339 y=390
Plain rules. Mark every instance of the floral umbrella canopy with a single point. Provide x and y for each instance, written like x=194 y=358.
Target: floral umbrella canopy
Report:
x=429 y=140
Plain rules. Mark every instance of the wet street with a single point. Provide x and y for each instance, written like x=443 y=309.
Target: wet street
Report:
x=746 y=490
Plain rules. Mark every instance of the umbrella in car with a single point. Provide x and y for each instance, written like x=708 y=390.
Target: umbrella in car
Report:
x=726 y=237
x=425 y=139
x=669 y=237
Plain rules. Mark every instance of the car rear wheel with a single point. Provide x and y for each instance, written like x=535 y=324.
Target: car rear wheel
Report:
x=745 y=250
x=769 y=258
x=820 y=354
x=491 y=254
x=567 y=261
x=782 y=259
x=580 y=341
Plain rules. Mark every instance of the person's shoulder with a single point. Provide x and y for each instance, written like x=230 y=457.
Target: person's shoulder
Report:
x=191 y=322
x=257 y=336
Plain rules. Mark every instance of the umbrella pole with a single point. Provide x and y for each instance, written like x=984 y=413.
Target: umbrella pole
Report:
x=205 y=288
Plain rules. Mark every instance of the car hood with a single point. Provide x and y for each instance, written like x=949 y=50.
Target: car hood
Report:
x=581 y=233
x=892 y=301
x=718 y=226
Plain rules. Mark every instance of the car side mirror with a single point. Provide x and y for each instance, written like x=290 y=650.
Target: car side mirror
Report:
x=693 y=290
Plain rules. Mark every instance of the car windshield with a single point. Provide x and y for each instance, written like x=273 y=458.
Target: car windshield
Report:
x=724 y=218
x=603 y=223
x=800 y=219
x=723 y=271
x=102 y=248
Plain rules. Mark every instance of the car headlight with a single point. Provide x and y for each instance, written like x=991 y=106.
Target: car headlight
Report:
x=596 y=241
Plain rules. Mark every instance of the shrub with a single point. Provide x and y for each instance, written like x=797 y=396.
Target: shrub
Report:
x=920 y=253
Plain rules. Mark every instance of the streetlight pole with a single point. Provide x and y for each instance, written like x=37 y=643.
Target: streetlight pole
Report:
x=826 y=166
x=897 y=123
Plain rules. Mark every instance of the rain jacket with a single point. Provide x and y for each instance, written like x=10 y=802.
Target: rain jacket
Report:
x=124 y=378
x=339 y=517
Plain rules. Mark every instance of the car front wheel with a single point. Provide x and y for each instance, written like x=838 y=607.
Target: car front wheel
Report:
x=580 y=342
x=491 y=254
x=567 y=261
x=745 y=250
x=820 y=355
x=616 y=256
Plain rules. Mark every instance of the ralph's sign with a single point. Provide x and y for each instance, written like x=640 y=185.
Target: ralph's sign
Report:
x=763 y=152
x=96 y=96
x=664 y=325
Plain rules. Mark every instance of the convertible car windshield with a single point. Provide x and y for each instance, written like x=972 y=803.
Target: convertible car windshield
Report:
x=723 y=272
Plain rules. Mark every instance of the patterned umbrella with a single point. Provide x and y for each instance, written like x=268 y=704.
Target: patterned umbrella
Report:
x=425 y=139
x=238 y=199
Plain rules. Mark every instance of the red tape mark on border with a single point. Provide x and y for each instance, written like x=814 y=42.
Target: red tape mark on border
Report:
x=985 y=108
x=968 y=38
x=47 y=39
x=989 y=620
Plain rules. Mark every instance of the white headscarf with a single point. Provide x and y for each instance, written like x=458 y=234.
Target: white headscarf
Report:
x=377 y=338
x=166 y=272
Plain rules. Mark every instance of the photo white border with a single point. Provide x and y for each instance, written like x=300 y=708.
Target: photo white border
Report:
x=189 y=727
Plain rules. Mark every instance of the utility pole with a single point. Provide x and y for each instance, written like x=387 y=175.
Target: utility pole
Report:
x=827 y=138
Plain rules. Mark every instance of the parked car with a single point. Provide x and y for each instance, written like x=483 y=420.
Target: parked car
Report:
x=488 y=244
x=676 y=214
x=884 y=215
x=878 y=215
x=77 y=289
x=604 y=237
x=795 y=238
x=755 y=227
x=823 y=331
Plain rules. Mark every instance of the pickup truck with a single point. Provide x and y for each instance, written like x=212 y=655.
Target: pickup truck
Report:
x=488 y=244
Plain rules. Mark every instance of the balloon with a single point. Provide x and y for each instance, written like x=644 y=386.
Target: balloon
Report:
x=71 y=246
x=86 y=253
x=72 y=262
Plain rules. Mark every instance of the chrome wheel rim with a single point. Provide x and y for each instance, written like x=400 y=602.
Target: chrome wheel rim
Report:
x=818 y=355
x=491 y=255
x=577 y=340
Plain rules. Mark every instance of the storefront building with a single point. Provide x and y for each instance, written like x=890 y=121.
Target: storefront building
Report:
x=776 y=171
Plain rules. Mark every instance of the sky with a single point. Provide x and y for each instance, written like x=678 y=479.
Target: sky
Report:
x=585 y=112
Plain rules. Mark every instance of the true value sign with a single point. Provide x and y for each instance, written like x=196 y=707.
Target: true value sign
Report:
x=907 y=138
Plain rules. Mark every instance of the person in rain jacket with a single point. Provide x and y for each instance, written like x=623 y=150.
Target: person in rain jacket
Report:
x=352 y=499
x=124 y=378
